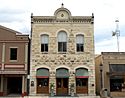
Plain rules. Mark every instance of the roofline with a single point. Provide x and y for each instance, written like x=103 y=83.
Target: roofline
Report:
x=11 y=30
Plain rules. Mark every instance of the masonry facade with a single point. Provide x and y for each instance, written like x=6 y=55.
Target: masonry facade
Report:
x=13 y=62
x=62 y=54
x=110 y=73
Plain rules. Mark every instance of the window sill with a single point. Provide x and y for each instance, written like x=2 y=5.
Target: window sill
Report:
x=62 y=52
x=44 y=52
x=80 y=52
x=13 y=60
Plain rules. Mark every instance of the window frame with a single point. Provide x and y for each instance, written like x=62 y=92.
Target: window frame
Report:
x=10 y=56
x=80 y=46
x=62 y=44
x=45 y=45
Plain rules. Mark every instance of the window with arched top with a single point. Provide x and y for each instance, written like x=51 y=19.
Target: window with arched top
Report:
x=79 y=43
x=62 y=41
x=44 y=43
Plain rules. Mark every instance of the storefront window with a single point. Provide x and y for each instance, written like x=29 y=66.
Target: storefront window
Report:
x=81 y=82
x=42 y=82
x=116 y=84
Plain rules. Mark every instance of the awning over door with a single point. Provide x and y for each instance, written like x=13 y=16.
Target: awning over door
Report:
x=82 y=73
x=42 y=73
x=62 y=73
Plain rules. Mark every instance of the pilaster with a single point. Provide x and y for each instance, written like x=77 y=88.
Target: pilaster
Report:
x=26 y=56
x=1 y=89
x=3 y=56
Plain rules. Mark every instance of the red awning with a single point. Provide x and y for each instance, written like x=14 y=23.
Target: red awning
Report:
x=82 y=76
x=42 y=77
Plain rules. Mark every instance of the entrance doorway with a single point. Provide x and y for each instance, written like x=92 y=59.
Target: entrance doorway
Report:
x=82 y=85
x=62 y=86
x=42 y=85
x=14 y=85
x=82 y=81
x=42 y=76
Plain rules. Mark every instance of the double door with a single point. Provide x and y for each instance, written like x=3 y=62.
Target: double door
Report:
x=82 y=85
x=62 y=86
x=43 y=85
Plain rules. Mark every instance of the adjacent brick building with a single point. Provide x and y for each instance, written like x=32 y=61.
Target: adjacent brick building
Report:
x=62 y=54
x=13 y=62
x=110 y=73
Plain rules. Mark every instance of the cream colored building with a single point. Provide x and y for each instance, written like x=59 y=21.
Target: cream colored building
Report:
x=110 y=73
x=62 y=54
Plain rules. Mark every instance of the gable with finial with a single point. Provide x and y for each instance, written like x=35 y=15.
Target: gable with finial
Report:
x=62 y=13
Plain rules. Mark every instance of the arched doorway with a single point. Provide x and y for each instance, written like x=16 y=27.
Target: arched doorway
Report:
x=62 y=79
x=82 y=81
x=42 y=76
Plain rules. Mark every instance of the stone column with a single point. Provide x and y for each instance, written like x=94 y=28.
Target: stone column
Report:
x=23 y=85
x=1 y=89
x=71 y=82
x=52 y=80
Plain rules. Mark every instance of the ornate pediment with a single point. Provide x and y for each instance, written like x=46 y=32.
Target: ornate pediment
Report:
x=62 y=13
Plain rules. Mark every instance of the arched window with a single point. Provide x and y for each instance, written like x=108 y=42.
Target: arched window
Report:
x=79 y=43
x=62 y=41
x=44 y=43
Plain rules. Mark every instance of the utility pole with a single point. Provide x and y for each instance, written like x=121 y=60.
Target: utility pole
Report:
x=117 y=33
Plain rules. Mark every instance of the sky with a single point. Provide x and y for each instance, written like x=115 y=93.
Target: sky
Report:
x=15 y=14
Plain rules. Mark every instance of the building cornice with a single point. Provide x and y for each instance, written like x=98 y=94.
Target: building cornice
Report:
x=62 y=15
x=52 y=19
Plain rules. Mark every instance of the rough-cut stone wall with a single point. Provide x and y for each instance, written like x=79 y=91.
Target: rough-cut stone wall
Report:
x=71 y=59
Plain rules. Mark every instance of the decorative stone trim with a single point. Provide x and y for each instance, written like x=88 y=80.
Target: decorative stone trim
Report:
x=52 y=19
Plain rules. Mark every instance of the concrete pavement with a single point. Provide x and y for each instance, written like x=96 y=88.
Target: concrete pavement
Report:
x=50 y=97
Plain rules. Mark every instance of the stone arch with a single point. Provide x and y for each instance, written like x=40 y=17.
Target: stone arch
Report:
x=42 y=72
x=42 y=66
x=62 y=9
x=62 y=72
x=66 y=31
x=82 y=66
x=82 y=72
x=44 y=33
x=80 y=33
x=62 y=66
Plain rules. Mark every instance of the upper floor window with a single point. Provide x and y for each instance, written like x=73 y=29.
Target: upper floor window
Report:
x=13 y=53
x=62 y=41
x=79 y=43
x=44 y=43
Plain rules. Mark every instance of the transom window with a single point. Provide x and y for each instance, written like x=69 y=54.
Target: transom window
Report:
x=13 y=53
x=117 y=67
x=62 y=41
x=44 y=43
x=79 y=43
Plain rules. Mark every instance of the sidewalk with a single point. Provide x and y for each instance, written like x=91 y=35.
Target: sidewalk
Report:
x=50 y=97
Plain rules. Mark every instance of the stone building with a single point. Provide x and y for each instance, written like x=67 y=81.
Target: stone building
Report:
x=62 y=54
x=110 y=73
x=13 y=62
